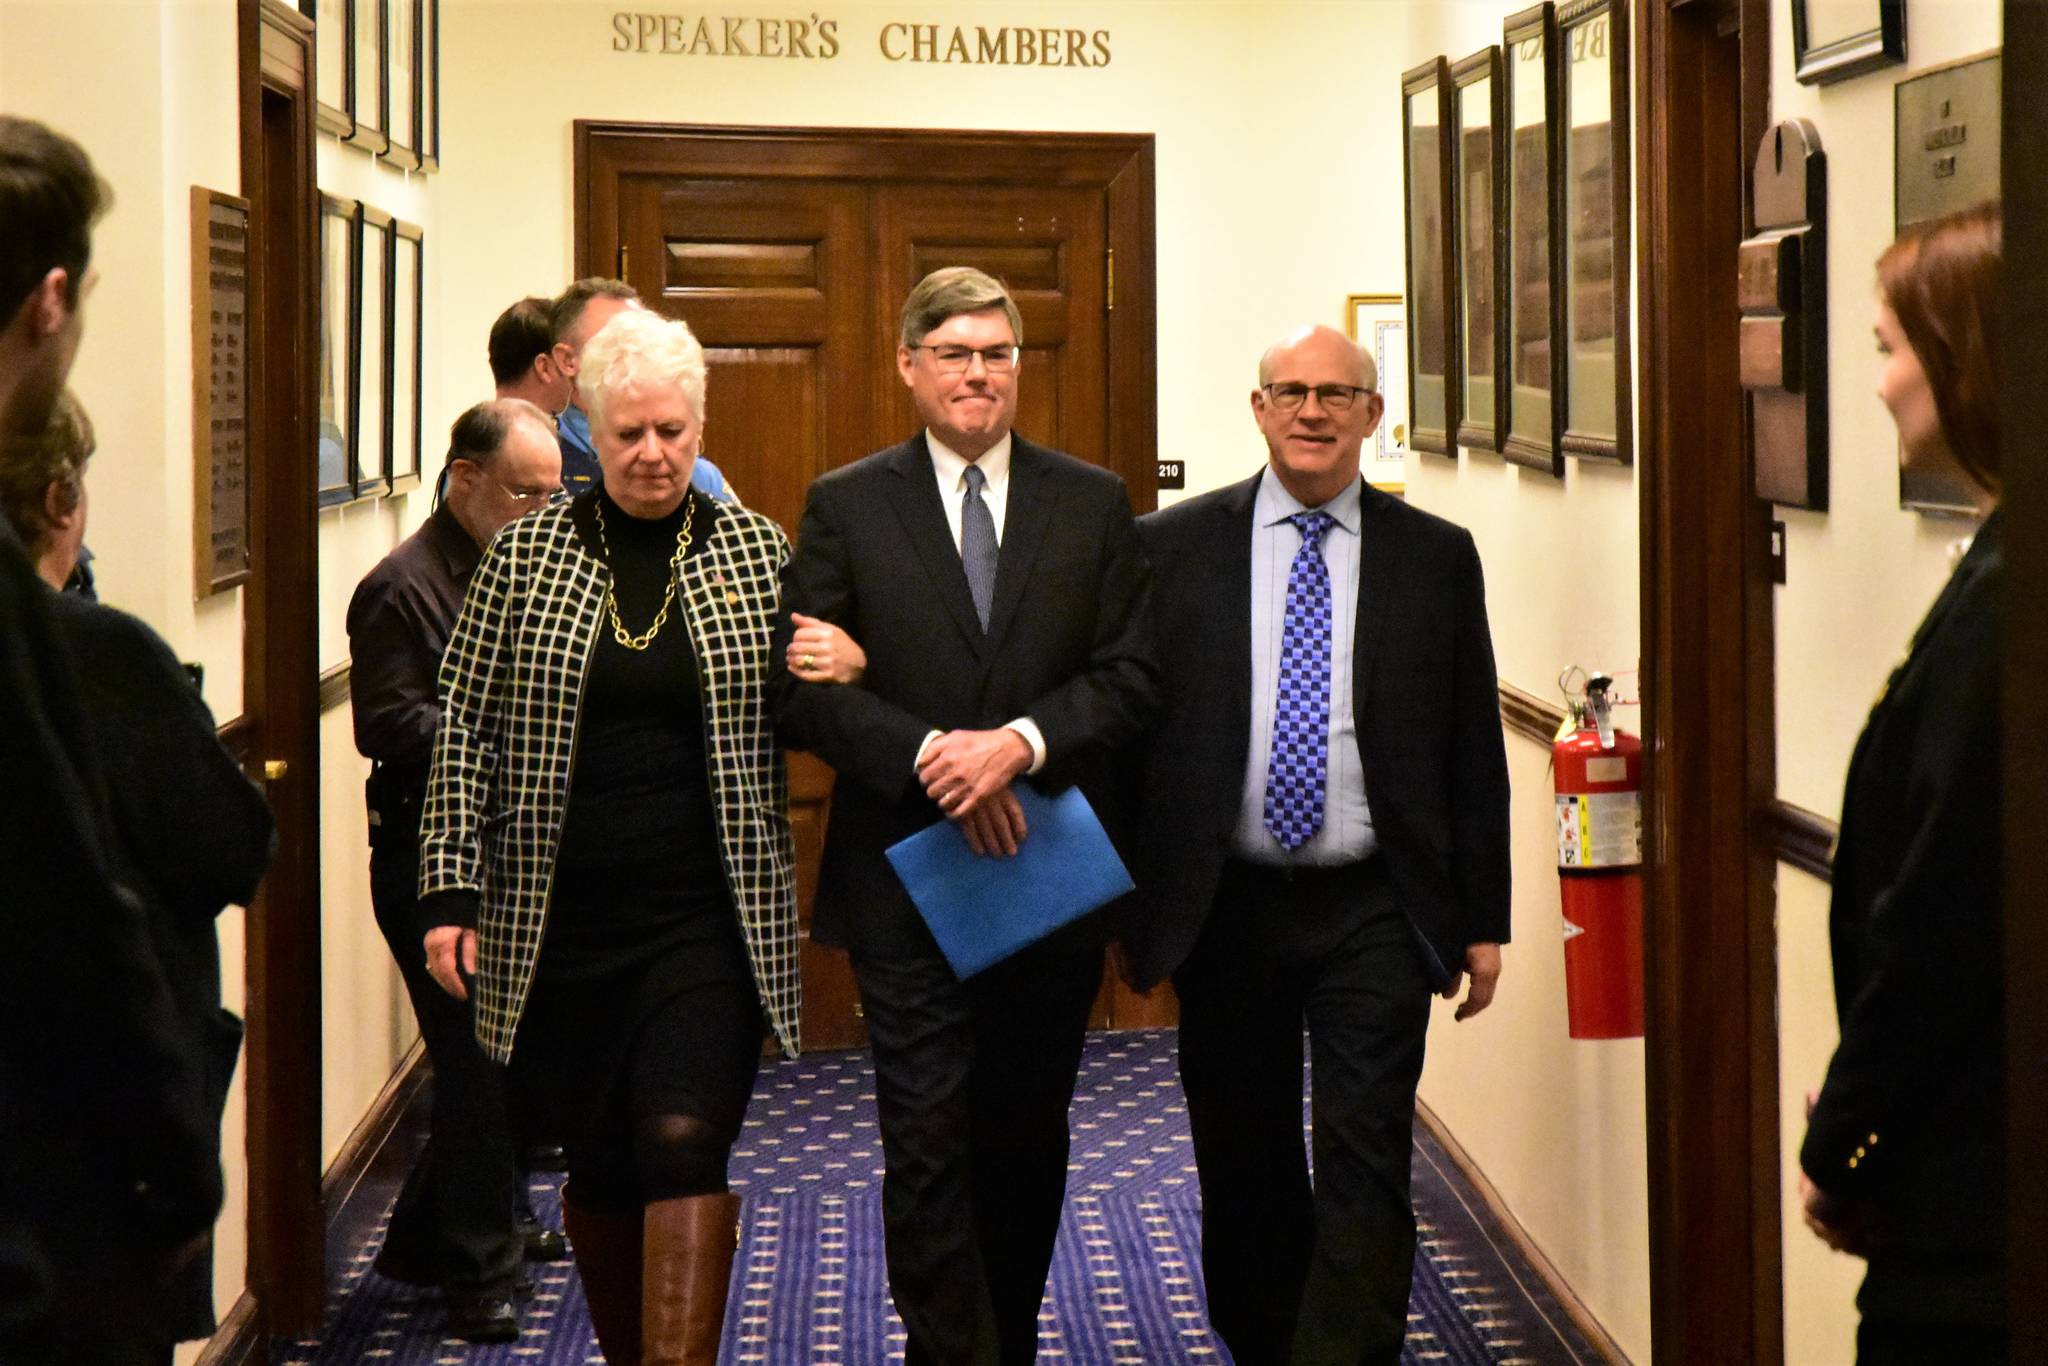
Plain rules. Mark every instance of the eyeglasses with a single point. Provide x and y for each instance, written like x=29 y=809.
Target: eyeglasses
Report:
x=954 y=360
x=1335 y=398
x=530 y=497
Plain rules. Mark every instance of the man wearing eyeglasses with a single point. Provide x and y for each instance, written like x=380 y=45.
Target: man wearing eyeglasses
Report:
x=1322 y=843
x=461 y=1221
x=998 y=590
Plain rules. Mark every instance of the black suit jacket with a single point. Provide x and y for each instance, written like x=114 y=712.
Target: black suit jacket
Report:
x=1067 y=645
x=1910 y=1117
x=1424 y=700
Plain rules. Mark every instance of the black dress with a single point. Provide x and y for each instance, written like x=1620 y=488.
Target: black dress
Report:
x=643 y=1000
x=1909 y=1122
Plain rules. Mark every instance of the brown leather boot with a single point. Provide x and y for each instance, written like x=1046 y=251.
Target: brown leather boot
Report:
x=688 y=1258
x=607 y=1248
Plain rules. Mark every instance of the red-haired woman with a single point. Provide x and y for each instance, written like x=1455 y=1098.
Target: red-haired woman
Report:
x=1903 y=1153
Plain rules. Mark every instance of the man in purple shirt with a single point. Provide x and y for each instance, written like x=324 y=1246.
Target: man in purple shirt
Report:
x=461 y=1221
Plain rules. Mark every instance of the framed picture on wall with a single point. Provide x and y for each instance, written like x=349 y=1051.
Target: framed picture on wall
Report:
x=1432 y=318
x=1534 y=193
x=408 y=299
x=334 y=453
x=1833 y=40
x=1476 y=168
x=334 y=65
x=1593 y=42
x=1379 y=322
x=370 y=89
x=373 y=354
x=429 y=96
x=402 y=83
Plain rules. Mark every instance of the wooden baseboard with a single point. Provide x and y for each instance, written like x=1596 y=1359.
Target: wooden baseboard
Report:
x=362 y=1148
x=236 y=1342
x=1804 y=839
x=1567 y=1298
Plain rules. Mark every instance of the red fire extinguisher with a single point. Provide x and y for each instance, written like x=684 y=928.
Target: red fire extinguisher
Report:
x=1600 y=865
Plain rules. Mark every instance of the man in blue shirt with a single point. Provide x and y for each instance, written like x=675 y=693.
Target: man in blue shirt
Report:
x=578 y=315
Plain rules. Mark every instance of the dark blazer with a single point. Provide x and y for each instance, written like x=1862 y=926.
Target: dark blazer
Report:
x=1909 y=1118
x=1068 y=645
x=1425 y=703
x=200 y=836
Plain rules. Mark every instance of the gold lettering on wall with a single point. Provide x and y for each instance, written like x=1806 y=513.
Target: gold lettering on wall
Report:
x=684 y=35
x=956 y=45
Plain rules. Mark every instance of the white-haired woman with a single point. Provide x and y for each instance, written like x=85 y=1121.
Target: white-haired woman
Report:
x=605 y=847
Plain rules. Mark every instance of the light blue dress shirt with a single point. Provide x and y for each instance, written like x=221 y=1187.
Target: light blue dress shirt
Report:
x=1347 y=833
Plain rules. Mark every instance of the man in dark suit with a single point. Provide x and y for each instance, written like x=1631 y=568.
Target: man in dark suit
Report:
x=1322 y=841
x=998 y=590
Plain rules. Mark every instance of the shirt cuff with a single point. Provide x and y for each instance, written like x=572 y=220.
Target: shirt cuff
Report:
x=1033 y=737
x=922 y=746
x=450 y=906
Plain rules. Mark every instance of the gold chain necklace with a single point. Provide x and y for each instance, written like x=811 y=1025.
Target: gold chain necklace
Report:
x=675 y=566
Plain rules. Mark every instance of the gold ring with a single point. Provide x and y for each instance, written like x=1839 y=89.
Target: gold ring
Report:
x=808 y=662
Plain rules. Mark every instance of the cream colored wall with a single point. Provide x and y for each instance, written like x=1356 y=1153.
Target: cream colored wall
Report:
x=1859 y=578
x=1556 y=1124
x=1279 y=165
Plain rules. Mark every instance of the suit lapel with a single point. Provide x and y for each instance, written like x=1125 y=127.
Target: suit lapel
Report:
x=1379 y=571
x=923 y=516
x=1227 y=554
x=1026 y=514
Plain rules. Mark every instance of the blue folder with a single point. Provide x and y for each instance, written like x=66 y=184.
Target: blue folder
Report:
x=982 y=910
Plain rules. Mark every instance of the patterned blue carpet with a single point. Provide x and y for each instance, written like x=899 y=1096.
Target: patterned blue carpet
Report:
x=809 y=1289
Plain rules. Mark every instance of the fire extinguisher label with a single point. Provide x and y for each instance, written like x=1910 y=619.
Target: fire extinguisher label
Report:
x=1600 y=830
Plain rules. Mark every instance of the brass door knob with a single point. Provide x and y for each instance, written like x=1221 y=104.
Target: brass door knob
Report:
x=273 y=769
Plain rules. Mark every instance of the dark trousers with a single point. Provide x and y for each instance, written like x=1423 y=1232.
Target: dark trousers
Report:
x=1929 y=1344
x=1298 y=1273
x=457 y=1209
x=972 y=1081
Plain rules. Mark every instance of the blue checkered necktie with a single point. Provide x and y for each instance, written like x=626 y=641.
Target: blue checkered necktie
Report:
x=978 y=544
x=1298 y=766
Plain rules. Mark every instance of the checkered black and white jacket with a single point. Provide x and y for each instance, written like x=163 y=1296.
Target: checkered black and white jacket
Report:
x=511 y=686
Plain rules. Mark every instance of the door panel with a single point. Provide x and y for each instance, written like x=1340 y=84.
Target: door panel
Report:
x=789 y=253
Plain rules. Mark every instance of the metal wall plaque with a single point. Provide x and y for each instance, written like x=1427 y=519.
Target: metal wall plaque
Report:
x=1946 y=139
x=220 y=391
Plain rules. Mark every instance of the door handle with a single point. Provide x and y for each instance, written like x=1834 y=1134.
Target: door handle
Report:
x=273 y=769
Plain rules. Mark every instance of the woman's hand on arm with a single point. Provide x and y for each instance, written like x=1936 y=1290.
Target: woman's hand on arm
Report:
x=444 y=944
x=820 y=652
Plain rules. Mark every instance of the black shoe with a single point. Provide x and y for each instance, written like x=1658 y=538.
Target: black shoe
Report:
x=483 y=1316
x=543 y=1244
x=401 y=1262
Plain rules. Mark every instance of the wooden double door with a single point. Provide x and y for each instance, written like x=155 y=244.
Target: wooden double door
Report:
x=789 y=253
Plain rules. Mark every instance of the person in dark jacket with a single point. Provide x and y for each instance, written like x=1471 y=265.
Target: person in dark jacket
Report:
x=462 y=1220
x=1903 y=1157
x=194 y=831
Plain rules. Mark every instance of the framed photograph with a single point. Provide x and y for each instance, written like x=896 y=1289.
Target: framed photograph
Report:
x=1426 y=122
x=338 y=255
x=402 y=83
x=1833 y=40
x=1379 y=322
x=1594 y=389
x=429 y=96
x=1477 y=165
x=1534 y=194
x=373 y=353
x=369 y=90
x=334 y=66
x=408 y=312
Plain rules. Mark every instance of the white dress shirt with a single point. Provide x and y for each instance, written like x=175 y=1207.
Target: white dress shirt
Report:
x=949 y=467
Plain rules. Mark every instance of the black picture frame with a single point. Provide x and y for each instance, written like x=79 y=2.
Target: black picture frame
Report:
x=1477 y=165
x=428 y=86
x=334 y=446
x=1432 y=257
x=372 y=436
x=334 y=55
x=402 y=48
x=404 y=449
x=1594 y=392
x=1871 y=42
x=1533 y=186
x=369 y=84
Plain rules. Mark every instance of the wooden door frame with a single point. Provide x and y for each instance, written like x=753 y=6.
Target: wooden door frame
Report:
x=286 y=1273
x=1120 y=164
x=2025 y=346
x=1716 y=1276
